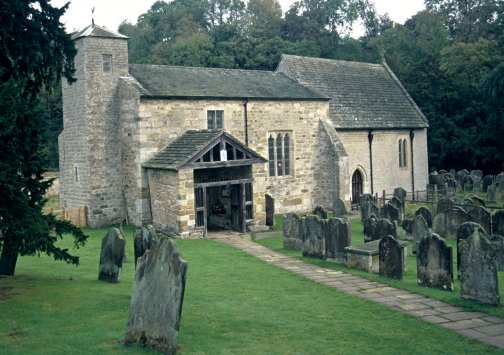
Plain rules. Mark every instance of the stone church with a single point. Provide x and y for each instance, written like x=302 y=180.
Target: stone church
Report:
x=196 y=149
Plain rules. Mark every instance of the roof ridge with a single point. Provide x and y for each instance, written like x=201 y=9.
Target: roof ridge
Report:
x=329 y=60
x=207 y=68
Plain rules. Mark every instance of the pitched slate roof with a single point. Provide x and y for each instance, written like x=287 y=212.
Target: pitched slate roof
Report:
x=187 y=147
x=97 y=31
x=188 y=82
x=363 y=95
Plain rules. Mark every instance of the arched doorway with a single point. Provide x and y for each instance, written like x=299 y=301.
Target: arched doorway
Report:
x=356 y=187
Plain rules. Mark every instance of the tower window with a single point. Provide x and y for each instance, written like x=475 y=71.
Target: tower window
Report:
x=107 y=63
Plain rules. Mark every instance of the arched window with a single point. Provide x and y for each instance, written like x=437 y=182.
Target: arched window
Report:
x=400 y=154
x=404 y=151
x=279 y=154
x=403 y=157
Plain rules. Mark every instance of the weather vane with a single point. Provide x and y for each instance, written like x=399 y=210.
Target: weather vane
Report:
x=92 y=15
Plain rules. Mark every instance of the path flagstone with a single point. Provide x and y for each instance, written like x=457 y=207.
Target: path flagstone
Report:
x=475 y=325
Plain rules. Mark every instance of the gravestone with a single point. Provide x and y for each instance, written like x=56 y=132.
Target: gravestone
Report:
x=498 y=243
x=468 y=182
x=396 y=202
x=450 y=188
x=487 y=181
x=498 y=222
x=270 y=210
x=492 y=193
x=157 y=299
x=439 y=224
x=369 y=227
x=313 y=236
x=320 y=212
x=478 y=269
x=339 y=208
x=444 y=204
x=420 y=230
x=455 y=217
x=407 y=226
x=426 y=214
x=390 y=258
x=143 y=239
x=292 y=232
x=401 y=194
x=367 y=206
x=111 y=256
x=477 y=201
x=477 y=173
x=338 y=237
x=435 y=263
x=436 y=179
x=379 y=229
x=460 y=177
x=390 y=212
x=481 y=216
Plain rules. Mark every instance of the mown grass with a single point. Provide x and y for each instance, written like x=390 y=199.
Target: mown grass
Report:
x=234 y=304
x=409 y=281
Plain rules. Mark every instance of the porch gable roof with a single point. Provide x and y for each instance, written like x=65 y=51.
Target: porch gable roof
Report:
x=194 y=149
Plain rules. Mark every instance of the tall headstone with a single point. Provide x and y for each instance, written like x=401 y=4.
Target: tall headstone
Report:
x=313 y=236
x=492 y=193
x=270 y=210
x=455 y=217
x=498 y=243
x=369 y=227
x=478 y=269
x=481 y=216
x=487 y=181
x=420 y=230
x=366 y=205
x=390 y=258
x=498 y=222
x=401 y=194
x=339 y=208
x=338 y=237
x=111 y=256
x=435 y=263
x=468 y=183
x=407 y=226
x=157 y=299
x=144 y=238
x=390 y=212
x=320 y=212
x=439 y=224
x=292 y=232
x=426 y=214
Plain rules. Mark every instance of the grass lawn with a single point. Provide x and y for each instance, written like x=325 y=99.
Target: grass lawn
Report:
x=409 y=281
x=234 y=304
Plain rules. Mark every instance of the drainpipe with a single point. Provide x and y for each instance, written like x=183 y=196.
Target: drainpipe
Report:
x=412 y=136
x=245 y=111
x=370 y=140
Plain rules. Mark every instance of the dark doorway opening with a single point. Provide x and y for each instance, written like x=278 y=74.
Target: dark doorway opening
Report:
x=356 y=188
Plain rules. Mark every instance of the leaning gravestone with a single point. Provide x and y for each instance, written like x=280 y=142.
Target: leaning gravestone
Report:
x=338 y=237
x=435 y=263
x=111 y=256
x=481 y=216
x=390 y=258
x=420 y=230
x=498 y=222
x=313 y=236
x=292 y=232
x=455 y=217
x=320 y=212
x=158 y=295
x=498 y=243
x=339 y=208
x=426 y=214
x=478 y=269
x=143 y=239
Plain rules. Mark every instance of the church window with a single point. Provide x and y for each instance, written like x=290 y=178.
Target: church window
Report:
x=403 y=158
x=279 y=154
x=76 y=174
x=107 y=63
x=215 y=118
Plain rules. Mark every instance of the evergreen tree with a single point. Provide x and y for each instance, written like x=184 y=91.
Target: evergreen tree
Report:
x=34 y=52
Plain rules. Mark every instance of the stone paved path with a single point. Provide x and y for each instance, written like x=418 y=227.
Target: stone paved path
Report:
x=480 y=326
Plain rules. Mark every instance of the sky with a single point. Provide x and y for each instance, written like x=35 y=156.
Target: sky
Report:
x=110 y=13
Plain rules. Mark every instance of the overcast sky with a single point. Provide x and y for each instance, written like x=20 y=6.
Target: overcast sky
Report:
x=110 y=13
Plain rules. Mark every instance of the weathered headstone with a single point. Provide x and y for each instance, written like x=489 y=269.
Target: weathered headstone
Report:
x=367 y=204
x=426 y=214
x=477 y=173
x=492 y=193
x=468 y=182
x=435 y=263
x=270 y=210
x=498 y=243
x=395 y=201
x=338 y=237
x=320 y=212
x=407 y=226
x=455 y=217
x=381 y=228
x=436 y=179
x=143 y=239
x=498 y=222
x=420 y=230
x=157 y=299
x=313 y=236
x=390 y=258
x=478 y=269
x=292 y=232
x=369 y=227
x=401 y=194
x=390 y=212
x=439 y=224
x=481 y=216
x=339 y=208
x=477 y=201
x=487 y=181
x=111 y=256
x=444 y=204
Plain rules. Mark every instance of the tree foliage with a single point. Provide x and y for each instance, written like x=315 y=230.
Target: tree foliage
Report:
x=35 y=51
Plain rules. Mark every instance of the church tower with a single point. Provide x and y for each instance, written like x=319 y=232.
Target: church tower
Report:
x=90 y=144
